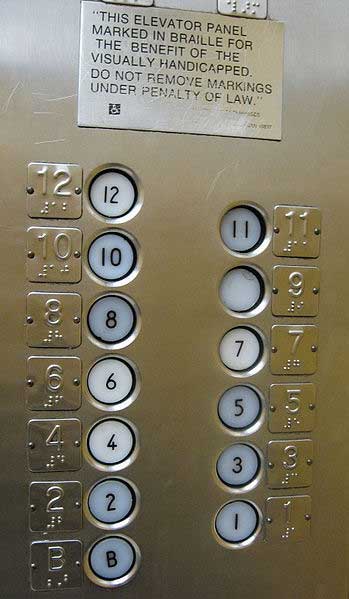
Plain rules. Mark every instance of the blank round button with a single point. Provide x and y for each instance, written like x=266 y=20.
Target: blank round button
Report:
x=238 y=465
x=239 y=407
x=237 y=522
x=112 y=256
x=112 y=560
x=111 y=319
x=111 y=441
x=111 y=381
x=242 y=289
x=113 y=193
x=242 y=229
x=241 y=349
x=111 y=501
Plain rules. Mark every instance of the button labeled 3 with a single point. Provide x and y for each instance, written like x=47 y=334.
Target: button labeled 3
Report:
x=290 y=464
x=53 y=319
x=54 y=190
x=294 y=349
x=288 y=518
x=297 y=231
x=54 y=445
x=296 y=291
x=55 y=506
x=53 y=383
x=54 y=255
x=55 y=565
x=292 y=408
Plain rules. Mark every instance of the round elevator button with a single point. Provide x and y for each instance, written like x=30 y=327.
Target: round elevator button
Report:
x=242 y=289
x=112 y=256
x=239 y=407
x=238 y=465
x=241 y=349
x=113 y=193
x=111 y=442
x=111 y=501
x=238 y=522
x=243 y=229
x=112 y=319
x=111 y=381
x=112 y=561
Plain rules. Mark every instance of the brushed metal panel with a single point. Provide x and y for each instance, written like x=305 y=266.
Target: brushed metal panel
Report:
x=188 y=183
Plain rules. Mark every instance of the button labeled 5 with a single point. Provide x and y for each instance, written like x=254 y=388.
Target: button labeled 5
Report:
x=54 y=255
x=296 y=291
x=290 y=464
x=294 y=349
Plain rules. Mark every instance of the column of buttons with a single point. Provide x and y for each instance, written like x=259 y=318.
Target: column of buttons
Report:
x=294 y=353
x=113 y=380
x=244 y=293
x=53 y=383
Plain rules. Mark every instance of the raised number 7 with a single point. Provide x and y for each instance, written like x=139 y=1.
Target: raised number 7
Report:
x=298 y=334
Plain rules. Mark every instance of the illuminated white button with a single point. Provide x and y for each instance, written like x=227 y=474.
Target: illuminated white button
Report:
x=111 y=441
x=112 y=559
x=242 y=289
x=241 y=349
x=237 y=522
x=239 y=407
x=111 y=501
x=111 y=319
x=111 y=381
x=242 y=229
x=113 y=193
x=112 y=256
x=238 y=465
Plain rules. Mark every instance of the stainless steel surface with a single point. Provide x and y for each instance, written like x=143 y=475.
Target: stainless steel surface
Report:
x=188 y=183
x=161 y=70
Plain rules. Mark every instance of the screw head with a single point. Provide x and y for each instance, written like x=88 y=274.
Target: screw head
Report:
x=309 y=462
x=78 y=190
x=31 y=254
x=76 y=319
x=76 y=382
x=311 y=406
x=31 y=445
x=30 y=190
x=33 y=566
x=272 y=408
x=269 y=520
x=77 y=254
x=275 y=290
x=276 y=230
x=271 y=465
x=32 y=507
x=314 y=348
x=77 y=504
x=307 y=517
x=78 y=564
x=316 y=290
x=317 y=231
x=30 y=382
x=77 y=443
x=274 y=349
x=30 y=320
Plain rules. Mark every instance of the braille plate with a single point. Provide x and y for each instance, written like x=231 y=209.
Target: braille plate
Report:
x=296 y=291
x=54 y=445
x=297 y=231
x=290 y=464
x=294 y=349
x=288 y=518
x=55 y=506
x=54 y=190
x=54 y=255
x=53 y=319
x=53 y=383
x=256 y=9
x=292 y=407
x=55 y=565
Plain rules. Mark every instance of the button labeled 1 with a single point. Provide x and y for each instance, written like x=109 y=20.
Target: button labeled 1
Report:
x=241 y=349
x=112 y=561
x=238 y=523
x=111 y=443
